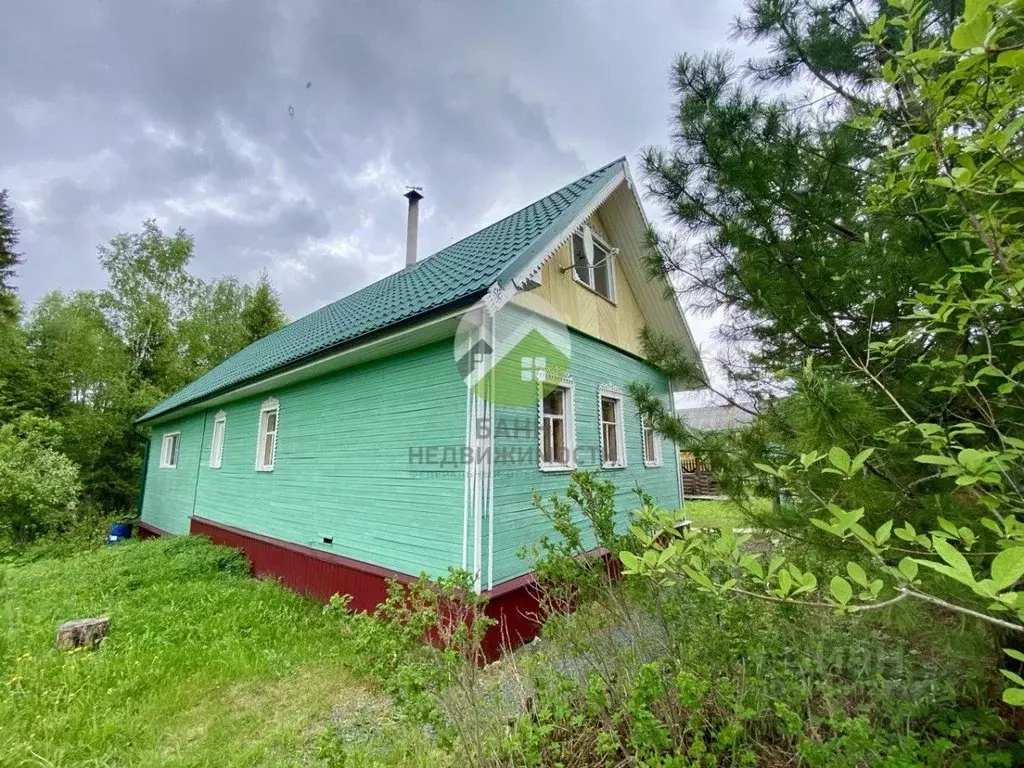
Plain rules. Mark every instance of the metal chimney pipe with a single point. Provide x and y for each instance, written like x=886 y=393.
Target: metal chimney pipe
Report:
x=412 y=233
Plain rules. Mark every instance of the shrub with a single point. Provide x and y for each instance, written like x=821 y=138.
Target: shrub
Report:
x=38 y=484
x=424 y=645
x=643 y=671
x=86 y=529
x=662 y=673
x=566 y=574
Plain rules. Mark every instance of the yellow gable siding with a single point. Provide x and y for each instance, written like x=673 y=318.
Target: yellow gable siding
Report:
x=618 y=324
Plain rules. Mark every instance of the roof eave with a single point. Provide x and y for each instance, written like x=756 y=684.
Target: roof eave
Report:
x=371 y=337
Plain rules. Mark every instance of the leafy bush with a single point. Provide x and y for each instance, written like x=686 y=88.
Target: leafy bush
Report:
x=87 y=529
x=906 y=449
x=38 y=484
x=640 y=670
x=566 y=575
x=751 y=683
x=423 y=644
x=661 y=672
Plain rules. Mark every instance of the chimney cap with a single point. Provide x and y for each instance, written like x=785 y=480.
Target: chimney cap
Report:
x=414 y=194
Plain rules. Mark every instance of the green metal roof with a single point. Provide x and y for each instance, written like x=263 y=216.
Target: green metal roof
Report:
x=459 y=273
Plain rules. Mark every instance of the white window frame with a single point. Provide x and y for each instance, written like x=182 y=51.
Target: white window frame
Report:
x=220 y=425
x=169 y=460
x=590 y=237
x=610 y=392
x=569 y=425
x=269 y=406
x=655 y=459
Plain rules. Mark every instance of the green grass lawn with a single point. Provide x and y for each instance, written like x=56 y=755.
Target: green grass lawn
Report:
x=718 y=513
x=203 y=665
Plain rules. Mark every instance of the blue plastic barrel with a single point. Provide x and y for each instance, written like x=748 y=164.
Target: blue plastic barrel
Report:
x=119 y=532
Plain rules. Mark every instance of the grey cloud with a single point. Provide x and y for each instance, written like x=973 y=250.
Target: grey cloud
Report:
x=115 y=110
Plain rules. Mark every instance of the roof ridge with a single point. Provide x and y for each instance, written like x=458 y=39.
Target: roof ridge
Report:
x=516 y=212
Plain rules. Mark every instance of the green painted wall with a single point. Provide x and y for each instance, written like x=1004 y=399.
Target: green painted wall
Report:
x=167 y=503
x=516 y=521
x=343 y=465
x=342 y=468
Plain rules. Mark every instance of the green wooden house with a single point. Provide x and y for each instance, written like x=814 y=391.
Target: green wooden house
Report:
x=403 y=428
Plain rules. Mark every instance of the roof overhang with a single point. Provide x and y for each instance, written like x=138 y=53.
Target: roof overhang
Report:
x=440 y=325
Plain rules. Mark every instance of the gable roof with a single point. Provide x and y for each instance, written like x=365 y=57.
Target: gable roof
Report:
x=460 y=273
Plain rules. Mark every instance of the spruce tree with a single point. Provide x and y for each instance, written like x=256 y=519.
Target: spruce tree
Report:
x=262 y=314
x=9 y=259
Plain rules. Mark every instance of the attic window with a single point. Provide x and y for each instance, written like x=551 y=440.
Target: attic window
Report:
x=266 y=446
x=592 y=261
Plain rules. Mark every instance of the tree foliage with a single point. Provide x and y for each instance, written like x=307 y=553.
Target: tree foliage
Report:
x=901 y=444
x=38 y=484
x=9 y=259
x=767 y=191
x=94 y=361
x=262 y=313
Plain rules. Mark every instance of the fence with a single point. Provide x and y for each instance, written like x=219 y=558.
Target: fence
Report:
x=697 y=479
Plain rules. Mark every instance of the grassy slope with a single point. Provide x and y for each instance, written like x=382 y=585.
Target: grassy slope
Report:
x=202 y=666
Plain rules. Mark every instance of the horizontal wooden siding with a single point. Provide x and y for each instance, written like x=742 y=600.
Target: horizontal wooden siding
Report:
x=517 y=522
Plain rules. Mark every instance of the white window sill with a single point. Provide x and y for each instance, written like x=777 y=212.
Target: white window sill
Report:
x=168 y=466
x=593 y=290
x=264 y=469
x=612 y=465
x=557 y=468
x=652 y=464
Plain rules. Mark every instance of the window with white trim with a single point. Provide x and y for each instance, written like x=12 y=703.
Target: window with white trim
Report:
x=266 y=447
x=613 y=446
x=217 y=443
x=651 y=443
x=169 y=450
x=556 y=429
x=592 y=261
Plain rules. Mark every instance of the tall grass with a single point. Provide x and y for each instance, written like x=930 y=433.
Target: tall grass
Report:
x=203 y=665
x=722 y=513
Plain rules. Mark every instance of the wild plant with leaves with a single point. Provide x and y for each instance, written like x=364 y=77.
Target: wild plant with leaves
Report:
x=39 y=486
x=650 y=672
x=929 y=503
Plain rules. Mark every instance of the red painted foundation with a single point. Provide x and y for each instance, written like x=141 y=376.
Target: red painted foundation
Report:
x=514 y=604
x=147 y=531
x=308 y=571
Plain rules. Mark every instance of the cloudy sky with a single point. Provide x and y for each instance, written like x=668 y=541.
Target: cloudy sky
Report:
x=282 y=134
